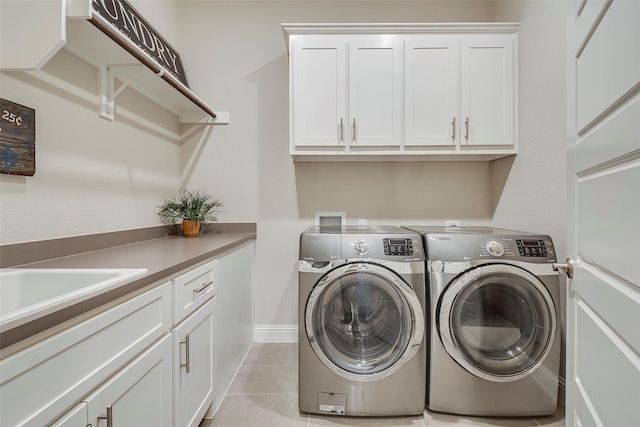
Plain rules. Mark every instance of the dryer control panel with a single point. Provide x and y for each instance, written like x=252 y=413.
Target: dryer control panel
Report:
x=532 y=248
x=456 y=247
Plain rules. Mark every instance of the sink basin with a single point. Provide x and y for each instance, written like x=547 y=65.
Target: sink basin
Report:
x=28 y=293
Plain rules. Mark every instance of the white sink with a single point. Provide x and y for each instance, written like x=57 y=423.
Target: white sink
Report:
x=28 y=293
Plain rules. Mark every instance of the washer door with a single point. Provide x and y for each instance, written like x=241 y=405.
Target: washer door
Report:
x=363 y=321
x=497 y=321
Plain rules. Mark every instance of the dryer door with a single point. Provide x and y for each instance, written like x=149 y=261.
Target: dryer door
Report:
x=363 y=321
x=497 y=321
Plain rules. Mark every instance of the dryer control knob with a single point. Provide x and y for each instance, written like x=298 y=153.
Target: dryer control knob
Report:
x=361 y=247
x=495 y=248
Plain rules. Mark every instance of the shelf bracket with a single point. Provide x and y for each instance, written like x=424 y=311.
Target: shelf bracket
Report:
x=108 y=93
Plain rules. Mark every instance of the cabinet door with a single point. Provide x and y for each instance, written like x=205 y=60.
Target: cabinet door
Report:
x=77 y=417
x=138 y=395
x=318 y=93
x=487 y=90
x=375 y=92
x=431 y=91
x=41 y=382
x=193 y=351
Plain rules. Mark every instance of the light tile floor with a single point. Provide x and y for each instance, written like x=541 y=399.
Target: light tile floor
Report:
x=264 y=394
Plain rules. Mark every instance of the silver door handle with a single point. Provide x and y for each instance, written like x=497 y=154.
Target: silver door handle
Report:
x=341 y=130
x=466 y=124
x=566 y=268
x=453 y=129
x=204 y=286
x=187 y=364
x=108 y=417
x=353 y=134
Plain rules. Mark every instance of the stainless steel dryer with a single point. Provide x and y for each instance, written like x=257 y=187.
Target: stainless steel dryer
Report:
x=362 y=349
x=495 y=334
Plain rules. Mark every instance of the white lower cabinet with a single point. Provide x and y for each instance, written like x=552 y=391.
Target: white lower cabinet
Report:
x=44 y=381
x=158 y=359
x=234 y=337
x=194 y=364
x=138 y=395
x=77 y=417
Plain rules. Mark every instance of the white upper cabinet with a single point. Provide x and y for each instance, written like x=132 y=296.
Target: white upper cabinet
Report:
x=402 y=91
x=346 y=94
x=319 y=78
x=375 y=93
x=486 y=90
x=431 y=86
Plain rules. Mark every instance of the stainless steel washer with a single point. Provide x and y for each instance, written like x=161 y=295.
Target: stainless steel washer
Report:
x=495 y=314
x=362 y=349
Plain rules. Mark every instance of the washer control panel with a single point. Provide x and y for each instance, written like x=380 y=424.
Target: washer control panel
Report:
x=495 y=248
x=361 y=247
x=384 y=243
x=401 y=247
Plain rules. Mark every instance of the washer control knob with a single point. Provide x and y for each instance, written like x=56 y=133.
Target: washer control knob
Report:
x=495 y=248
x=361 y=247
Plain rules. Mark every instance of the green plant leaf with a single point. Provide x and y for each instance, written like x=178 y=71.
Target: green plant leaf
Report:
x=191 y=205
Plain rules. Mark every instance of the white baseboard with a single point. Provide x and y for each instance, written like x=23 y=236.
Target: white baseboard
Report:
x=275 y=333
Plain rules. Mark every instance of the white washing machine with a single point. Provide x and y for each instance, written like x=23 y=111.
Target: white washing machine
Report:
x=494 y=316
x=362 y=349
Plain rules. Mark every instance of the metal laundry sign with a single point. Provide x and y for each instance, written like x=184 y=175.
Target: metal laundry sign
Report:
x=129 y=22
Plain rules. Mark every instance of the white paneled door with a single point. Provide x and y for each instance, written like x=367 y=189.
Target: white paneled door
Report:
x=603 y=305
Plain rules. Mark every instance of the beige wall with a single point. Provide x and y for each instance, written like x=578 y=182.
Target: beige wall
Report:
x=237 y=60
x=92 y=175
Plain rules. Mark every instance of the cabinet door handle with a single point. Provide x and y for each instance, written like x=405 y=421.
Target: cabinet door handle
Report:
x=108 y=417
x=185 y=365
x=341 y=131
x=353 y=134
x=453 y=129
x=466 y=124
x=197 y=291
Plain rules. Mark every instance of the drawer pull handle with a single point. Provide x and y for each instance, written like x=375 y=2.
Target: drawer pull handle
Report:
x=197 y=291
x=108 y=417
x=183 y=365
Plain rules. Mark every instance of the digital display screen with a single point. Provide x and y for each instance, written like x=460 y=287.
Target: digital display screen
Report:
x=398 y=242
x=531 y=243
x=400 y=247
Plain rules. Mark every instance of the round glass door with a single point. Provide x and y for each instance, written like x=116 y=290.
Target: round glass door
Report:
x=497 y=321
x=363 y=321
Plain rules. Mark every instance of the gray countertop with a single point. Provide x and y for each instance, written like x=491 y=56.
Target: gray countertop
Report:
x=162 y=257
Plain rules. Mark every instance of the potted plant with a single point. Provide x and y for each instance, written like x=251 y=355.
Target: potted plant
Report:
x=192 y=208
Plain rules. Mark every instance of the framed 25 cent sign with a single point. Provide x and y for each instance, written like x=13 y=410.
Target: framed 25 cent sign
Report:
x=17 y=139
